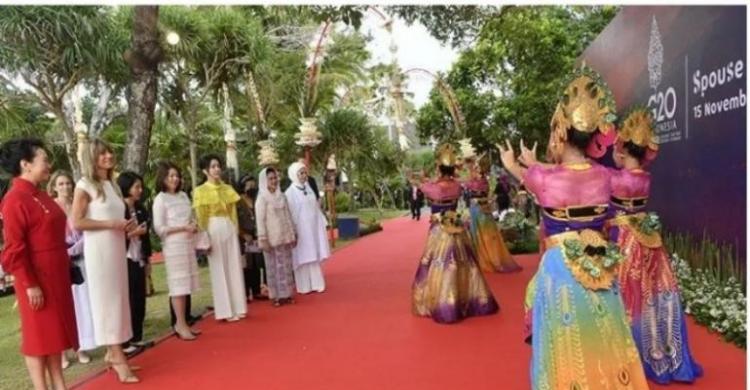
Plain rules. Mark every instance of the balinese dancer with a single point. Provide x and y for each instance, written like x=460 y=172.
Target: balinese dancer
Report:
x=449 y=285
x=492 y=253
x=575 y=317
x=649 y=288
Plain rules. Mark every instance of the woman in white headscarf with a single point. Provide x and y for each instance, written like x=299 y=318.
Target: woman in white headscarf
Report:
x=312 y=245
x=276 y=237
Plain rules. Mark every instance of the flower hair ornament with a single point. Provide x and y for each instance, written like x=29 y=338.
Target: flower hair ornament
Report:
x=586 y=105
x=638 y=128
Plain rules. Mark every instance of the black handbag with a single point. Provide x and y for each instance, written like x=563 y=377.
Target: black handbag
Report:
x=76 y=275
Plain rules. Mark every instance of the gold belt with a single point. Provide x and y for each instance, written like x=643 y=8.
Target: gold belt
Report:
x=632 y=221
x=587 y=236
x=450 y=221
x=591 y=260
x=625 y=219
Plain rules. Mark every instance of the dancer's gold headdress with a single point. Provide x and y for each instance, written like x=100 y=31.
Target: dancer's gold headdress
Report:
x=445 y=154
x=586 y=105
x=638 y=128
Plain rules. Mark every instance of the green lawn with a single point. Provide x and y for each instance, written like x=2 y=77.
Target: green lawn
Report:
x=368 y=214
x=13 y=373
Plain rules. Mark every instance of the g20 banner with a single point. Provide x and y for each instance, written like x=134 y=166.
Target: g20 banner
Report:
x=689 y=66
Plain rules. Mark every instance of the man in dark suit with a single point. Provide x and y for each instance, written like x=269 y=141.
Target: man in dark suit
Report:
x=416 y=200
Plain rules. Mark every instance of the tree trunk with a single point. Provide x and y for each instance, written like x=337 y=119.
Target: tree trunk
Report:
x=193 y=156
x=66 y=116
x=377 y=199
x=143 y=58
x=99 y=118
x=73 y=151
x=390 y=195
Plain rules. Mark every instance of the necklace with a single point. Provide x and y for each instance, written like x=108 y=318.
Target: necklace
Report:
x=303 y=189
x=577 y=165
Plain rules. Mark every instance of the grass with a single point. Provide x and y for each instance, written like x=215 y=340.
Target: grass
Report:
x=369 y=214
x=13 y=374
x=343 y=243
x=722 y=261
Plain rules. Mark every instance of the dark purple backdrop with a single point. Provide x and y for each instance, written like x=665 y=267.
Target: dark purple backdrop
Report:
x=699 y=177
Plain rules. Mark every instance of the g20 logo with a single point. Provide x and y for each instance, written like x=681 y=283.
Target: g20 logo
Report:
x=663 y=105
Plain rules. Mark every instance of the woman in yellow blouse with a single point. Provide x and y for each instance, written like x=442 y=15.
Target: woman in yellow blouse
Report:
x=215 y=208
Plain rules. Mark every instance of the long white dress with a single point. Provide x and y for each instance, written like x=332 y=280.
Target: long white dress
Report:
x=173 y=210
x=106 y=267
x=312 y=244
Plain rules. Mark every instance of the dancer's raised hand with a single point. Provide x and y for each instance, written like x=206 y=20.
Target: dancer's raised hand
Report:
x=528 y=156
x=507 y=155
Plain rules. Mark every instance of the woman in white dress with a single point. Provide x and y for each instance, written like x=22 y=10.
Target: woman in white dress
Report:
x=312 y=244
x=98 y=211
x=60 y=188
x=215 y=205
x=175 y=224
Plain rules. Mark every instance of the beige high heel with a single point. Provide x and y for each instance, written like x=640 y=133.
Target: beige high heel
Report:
x=126 y=378
x=110 y=362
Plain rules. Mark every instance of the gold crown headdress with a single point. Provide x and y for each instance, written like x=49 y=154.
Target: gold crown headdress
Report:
x=638 y=128
x=445 y=154
x=586 y=105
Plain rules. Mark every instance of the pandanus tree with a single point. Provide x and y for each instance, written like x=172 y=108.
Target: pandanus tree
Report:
x=57 y=56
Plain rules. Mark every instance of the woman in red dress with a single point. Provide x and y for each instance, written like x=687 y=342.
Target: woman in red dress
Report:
x=36 y=254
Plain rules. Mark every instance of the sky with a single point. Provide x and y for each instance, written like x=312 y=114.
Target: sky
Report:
x=416 y=49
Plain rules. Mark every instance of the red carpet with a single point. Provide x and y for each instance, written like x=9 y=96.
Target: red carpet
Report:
x=360 y=334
